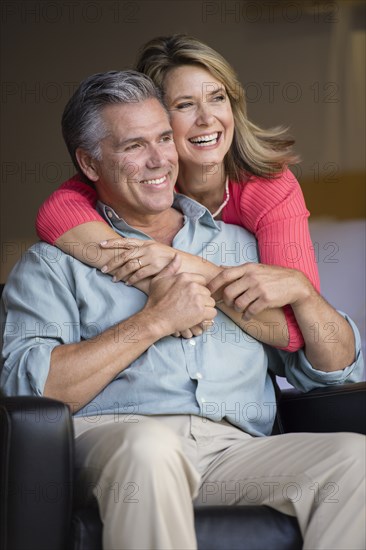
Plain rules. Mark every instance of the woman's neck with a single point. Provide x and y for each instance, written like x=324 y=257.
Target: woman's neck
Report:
x=204 y=184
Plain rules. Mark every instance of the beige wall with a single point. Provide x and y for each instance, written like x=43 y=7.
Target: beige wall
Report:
x=300 y=61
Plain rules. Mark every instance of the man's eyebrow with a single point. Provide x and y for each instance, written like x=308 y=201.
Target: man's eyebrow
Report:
x=123 y=142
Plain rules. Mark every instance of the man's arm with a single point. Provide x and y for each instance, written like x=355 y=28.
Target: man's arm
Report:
x=252 y=288
x=37 y=359
x=80 y=371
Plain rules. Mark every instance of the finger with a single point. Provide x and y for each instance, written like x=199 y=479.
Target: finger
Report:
x=209 y=314
x=124 y=272
x=196 y=278
x=243 y=301
x=207 y=324
x=121 y=243
x=197 y=330
x=176 y=334
x=233 y=291
x=142 y=273
x=210 y=302
x=171 y=269
x=254 y=309
x=119 y=260
x=225 y=277
x=187 y=333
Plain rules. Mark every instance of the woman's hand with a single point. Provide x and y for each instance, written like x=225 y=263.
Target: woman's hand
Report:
x=253 y=288
x=136 y=259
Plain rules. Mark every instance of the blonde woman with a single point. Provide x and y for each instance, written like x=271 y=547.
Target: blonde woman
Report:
x=234 y=168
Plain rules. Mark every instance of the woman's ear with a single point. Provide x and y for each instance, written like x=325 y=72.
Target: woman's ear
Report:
x=87 y=164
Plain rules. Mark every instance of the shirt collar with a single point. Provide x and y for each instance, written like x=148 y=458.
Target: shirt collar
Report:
x=190 y=208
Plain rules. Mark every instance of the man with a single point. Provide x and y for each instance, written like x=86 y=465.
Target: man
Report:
x=163 y=420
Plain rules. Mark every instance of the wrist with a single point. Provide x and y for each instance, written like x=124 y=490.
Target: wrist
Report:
x=151 y=327
x=197 y=264
x=306 y=293
x=156 y=324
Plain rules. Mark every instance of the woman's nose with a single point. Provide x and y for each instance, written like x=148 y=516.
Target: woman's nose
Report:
x=204 y=115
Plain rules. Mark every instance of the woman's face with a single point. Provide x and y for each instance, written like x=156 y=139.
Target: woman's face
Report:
x=200 y=115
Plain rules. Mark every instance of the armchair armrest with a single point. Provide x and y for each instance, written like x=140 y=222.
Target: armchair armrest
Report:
x=330 y=409
x=36 y=469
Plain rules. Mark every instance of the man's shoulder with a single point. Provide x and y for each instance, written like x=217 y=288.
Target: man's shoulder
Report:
x=45 y=252
x=42 y=257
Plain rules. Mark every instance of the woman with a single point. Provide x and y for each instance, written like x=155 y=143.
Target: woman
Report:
x=234 y=168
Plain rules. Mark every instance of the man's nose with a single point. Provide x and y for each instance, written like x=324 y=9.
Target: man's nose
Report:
x=156 y=157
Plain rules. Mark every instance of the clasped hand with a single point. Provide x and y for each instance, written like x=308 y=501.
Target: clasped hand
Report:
x=249 y=288
x=137 y=262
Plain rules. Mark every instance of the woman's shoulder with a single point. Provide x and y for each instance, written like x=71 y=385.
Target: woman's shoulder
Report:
x=77 y=184
x=276 y=187
x=256 y=197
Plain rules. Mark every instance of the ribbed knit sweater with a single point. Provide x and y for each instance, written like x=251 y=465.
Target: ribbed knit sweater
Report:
x=273 y=209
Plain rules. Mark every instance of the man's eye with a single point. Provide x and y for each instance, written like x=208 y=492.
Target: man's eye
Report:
x=167 y=139
x=132 y=146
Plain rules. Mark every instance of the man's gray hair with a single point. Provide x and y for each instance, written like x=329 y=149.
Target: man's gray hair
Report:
x=82 y=125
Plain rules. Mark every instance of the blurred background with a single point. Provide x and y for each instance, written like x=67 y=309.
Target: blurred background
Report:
x=302 y=64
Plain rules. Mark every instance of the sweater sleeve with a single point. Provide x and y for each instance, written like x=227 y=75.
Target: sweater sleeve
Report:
x=72 y=204
x=274 y=210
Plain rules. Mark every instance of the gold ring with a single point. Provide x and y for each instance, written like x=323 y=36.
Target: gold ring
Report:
x=139 y=261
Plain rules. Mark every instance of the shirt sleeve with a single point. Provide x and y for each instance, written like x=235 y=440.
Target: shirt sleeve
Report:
x=274 y=210
x=72 y=204
x=296 y=368
x=36 y=318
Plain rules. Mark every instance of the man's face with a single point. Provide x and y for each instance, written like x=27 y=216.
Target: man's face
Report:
x=139 y=163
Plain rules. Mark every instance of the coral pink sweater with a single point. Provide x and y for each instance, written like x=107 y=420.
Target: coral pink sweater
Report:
x=272 y=209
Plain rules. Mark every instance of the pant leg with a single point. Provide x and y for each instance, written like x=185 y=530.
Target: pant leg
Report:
x=320 y=478
x=143 y=482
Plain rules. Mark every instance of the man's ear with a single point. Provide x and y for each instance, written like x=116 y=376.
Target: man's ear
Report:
x=87 y=164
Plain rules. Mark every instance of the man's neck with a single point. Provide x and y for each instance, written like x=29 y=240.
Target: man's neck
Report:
x=161 y=228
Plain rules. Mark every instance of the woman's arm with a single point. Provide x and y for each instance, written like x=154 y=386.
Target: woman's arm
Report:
x=273 y=209
x=69 y=220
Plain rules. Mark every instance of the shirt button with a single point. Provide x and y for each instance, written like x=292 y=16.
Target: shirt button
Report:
x=109 y=214
x=192 y=342
x=199 y=375
x=203 y=400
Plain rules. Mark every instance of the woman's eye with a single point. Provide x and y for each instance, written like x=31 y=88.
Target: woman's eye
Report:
x=219 y=98
x=185 y=105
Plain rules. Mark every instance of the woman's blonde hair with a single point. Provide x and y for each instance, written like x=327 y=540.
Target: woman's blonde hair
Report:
x=253 y=150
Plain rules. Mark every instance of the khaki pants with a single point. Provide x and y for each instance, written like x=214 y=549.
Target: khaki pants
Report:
x=146 y=471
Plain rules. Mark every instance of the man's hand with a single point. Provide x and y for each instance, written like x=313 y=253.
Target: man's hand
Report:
x=179 y=300
x=253 y=288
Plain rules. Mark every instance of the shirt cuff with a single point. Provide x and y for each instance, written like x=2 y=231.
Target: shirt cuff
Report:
x=306 y=378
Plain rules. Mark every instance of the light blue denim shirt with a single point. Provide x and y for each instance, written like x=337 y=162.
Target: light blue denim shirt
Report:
x=53 y=299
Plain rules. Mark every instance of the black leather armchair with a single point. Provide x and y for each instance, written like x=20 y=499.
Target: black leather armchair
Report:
x=38 y=502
